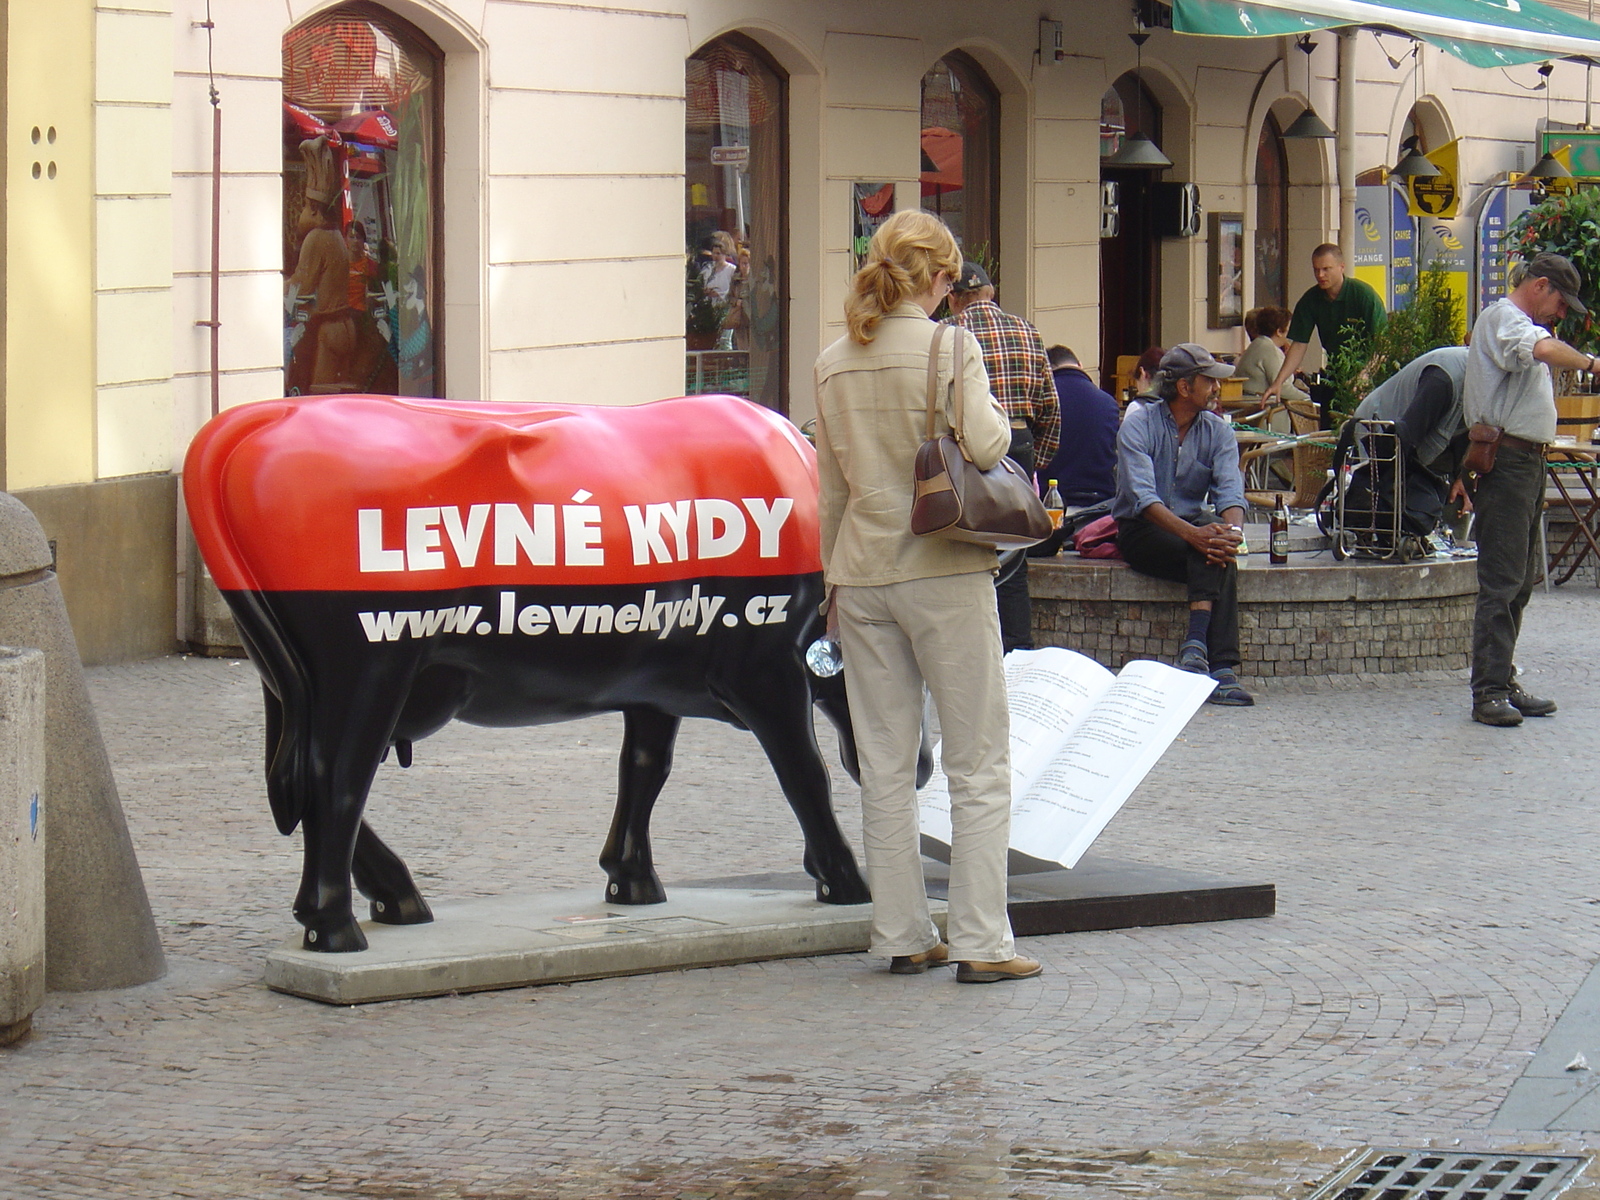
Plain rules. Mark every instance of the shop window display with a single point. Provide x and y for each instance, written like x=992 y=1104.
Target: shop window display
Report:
x=961 y=153
x=361 y=153
x=735 y=223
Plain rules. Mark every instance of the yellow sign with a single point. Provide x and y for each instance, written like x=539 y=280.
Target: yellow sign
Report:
x=1438 y=196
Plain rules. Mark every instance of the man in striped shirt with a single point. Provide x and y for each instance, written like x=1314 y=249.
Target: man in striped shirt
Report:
x=1020 y=378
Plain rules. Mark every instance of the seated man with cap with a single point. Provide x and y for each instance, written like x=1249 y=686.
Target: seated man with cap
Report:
x=1180 y=508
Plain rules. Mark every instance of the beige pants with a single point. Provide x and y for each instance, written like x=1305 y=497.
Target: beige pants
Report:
x=944 y=631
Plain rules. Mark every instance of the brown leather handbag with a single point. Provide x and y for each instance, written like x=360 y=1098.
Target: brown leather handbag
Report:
x=998 y=508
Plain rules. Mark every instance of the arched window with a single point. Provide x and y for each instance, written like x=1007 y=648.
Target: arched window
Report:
x=1272 y=216
x=361 y=137
x=736 y=222
x=961 y=153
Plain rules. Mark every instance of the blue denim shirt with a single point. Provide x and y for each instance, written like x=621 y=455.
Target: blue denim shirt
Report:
x=1152 y=466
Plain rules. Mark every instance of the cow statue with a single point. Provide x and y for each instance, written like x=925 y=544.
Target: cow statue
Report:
x=394 y=563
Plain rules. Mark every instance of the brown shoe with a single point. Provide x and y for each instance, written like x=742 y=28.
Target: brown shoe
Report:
x=916 y=964
x=984 y=972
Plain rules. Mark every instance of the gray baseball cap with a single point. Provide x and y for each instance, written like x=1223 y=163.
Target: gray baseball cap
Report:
x=1563 y=276
x=1188 y=358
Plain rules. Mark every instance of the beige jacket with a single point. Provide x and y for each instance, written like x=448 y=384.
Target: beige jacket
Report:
x=871 y=417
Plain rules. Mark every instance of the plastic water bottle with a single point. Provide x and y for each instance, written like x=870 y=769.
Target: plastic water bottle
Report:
x=1053 y=505
x=824 y=658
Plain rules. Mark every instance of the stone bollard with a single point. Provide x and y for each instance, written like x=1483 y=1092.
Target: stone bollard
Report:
x=22 y=840
x=98 y=929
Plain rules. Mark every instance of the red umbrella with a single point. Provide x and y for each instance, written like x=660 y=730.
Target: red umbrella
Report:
x=941 y=160
x=301 y=123
x=880 y=200
x=373 y=128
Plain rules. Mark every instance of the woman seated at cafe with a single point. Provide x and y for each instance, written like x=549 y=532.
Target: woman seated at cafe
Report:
x=1267 y=328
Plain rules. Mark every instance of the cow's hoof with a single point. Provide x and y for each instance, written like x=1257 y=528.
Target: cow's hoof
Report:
x=407 y=910
x=853 y=892
x=339 y=939
x=636 y=891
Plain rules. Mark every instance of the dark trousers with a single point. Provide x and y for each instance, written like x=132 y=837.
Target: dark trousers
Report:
x=1507 y=501
x=1151 y=550
x=1011 y=584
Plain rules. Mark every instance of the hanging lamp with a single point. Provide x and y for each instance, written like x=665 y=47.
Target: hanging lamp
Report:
x=1548 y=166
x=1308 y=124
x=1413 y=163
x=1137 y=150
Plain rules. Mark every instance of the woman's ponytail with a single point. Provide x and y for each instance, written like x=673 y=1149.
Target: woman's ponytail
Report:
x=905 y=254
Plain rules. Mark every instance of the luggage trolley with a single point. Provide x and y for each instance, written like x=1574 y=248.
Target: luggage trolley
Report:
x=1365 y=510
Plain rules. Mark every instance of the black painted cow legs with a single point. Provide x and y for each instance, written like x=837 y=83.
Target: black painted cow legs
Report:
x=350 y=727
x=382 y=878
x=779 y=714
x=647 y=740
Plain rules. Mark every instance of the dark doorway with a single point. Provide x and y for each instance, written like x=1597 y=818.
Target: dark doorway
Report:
x=1130 y=262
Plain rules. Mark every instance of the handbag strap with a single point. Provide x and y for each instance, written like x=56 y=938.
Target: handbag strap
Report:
x=933 y=377
x=958 y=423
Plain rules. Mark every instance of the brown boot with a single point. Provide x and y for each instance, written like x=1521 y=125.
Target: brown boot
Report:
x=982 y=972
x=916 y=964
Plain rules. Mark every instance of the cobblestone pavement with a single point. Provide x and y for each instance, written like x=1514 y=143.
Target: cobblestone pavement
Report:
x=1439 y=903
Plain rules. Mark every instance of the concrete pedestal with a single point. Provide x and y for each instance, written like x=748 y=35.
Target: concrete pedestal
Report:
x=22 y=840
x=558 y=937
x=98 y=928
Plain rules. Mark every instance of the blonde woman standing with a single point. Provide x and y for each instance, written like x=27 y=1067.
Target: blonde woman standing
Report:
x=916 y=610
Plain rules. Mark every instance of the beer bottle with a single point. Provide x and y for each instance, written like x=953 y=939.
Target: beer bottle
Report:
x=1278 y=534
x=1053 y=505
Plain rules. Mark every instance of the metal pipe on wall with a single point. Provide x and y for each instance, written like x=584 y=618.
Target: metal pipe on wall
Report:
x=215 y=321
x=1346 y=142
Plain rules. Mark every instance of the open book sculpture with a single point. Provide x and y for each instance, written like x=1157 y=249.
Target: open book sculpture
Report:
x=1081 y=741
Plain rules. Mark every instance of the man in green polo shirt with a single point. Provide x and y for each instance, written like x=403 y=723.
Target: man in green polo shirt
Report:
x=1332 y=308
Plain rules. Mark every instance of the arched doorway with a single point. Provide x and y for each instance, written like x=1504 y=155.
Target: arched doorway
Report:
x=1272 y=216
x=961 y=154
x=736 y=222
x=361 y=192
x=1130 y=259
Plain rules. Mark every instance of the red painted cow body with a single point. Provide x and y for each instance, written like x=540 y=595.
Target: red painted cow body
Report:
x=393 y=564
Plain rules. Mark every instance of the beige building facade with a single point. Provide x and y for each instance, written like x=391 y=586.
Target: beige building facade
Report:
x=547 y=258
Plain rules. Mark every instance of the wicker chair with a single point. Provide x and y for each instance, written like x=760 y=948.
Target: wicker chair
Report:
x=1308 y=464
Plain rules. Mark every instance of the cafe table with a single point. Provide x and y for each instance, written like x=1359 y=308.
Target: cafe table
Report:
x=1565 y=462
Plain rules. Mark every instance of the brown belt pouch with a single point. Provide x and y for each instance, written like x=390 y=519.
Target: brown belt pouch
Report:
x=1482 y=441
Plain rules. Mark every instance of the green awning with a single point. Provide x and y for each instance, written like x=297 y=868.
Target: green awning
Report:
x=1485 y=33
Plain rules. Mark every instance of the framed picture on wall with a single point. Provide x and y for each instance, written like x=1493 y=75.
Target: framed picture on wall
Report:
x=1225 y=270
x=871 y=204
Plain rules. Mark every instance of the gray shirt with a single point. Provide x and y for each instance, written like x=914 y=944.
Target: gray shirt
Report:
x=1506 y=386
x=1154 y=467
x=1395 y=400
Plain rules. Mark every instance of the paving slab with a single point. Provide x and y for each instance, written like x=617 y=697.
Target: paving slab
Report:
x=1561 y=1087
x=559 y=937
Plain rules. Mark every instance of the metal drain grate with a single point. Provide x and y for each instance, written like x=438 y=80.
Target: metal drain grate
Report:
x=1452 y=1175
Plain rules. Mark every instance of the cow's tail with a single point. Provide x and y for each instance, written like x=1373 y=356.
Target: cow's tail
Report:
x=288 y=704
x=282 y=669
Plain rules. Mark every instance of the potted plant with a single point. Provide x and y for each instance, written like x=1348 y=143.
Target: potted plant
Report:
x=703 y=312
x=1568 y=223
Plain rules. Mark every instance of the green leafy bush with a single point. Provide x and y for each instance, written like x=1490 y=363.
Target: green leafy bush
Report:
x=1435 y=317
x=1569 y=224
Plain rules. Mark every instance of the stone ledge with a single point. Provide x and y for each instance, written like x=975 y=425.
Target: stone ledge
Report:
x=1306 y=577
x=1312 y=617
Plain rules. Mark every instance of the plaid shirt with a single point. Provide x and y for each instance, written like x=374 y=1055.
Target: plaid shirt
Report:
x=1019 y=372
